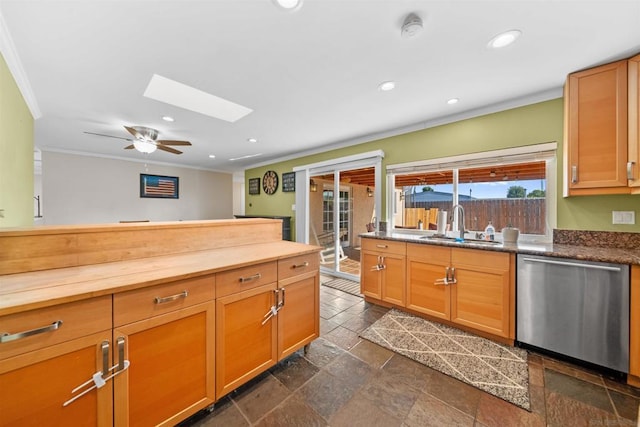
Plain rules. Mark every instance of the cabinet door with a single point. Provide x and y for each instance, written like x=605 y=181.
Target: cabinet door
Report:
x=299 y=317
x=34 y=385
x=245 y=346
x=171 y=370
x=597 y=130
x=426 y=266
x=634 y=123
x=481 y=297
x=393 y=283
x=370 y=276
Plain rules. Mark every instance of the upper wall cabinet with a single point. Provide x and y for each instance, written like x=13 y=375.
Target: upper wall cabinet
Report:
x=601 y=122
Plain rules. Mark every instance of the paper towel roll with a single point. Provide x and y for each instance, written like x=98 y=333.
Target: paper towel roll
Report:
x=441 y=224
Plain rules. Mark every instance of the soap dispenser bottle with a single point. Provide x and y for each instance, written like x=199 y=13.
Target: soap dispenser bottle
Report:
x=490 y=232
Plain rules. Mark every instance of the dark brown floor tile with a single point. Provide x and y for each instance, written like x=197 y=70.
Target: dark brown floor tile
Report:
x=453 y=392
x=342 y=303
x=371 y=353
x=409 y=371
x=495 y=412
x=573 y=370
x=537 y=400
x=224 y=414
x=356 y=324
x=342 y=317
x=343 y=337
x=327 y=312
x=429 y=411
x=350 y=369
x=259 y=397
x=292 y=412
x=621 y=387
x=322 y=352
x=536 y=375
x=577 y=389
x=294 y=371
x=393 y=397
x=361 y=412
x=626 y=406
x=326 y=394
x=358 y=308
x=327 y=325
x=563 y=411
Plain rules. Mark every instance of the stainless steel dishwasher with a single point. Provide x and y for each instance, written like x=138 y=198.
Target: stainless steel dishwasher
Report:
x=575 y=308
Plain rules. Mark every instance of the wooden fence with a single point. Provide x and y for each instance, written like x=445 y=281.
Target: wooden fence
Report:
x=526 y=214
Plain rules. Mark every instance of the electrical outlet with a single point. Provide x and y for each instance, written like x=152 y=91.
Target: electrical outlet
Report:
x=624 y=217
x=293 y=207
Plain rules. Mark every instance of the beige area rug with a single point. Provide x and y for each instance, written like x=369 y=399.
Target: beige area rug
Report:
x=495 y=368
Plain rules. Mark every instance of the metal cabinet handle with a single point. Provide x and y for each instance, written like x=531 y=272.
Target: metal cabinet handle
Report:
x=250 y=278
x=452 y=276
x=572 y=264
x=280 y=301
x=304 y=264
x=574 y=174
x=382 y=246
x=162 y=300
x=104 y=348
x=6 y=337
x=444 y=281
x=630 y=169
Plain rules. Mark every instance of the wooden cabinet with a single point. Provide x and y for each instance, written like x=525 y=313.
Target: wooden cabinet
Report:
x=601 y=150
x=469 y=287
x=39 y=372
x=384 y=270
x=299 y=293
x=167 y=333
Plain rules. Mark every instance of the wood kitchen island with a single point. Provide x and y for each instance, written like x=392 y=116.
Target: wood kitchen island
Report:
x=146 y=323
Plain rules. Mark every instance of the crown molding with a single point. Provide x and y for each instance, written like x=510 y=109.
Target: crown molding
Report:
x=8 y=50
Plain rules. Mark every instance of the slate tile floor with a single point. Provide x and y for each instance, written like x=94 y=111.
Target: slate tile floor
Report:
x=346 y=381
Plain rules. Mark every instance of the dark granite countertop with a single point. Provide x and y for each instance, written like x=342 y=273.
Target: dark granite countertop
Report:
x=560 y=250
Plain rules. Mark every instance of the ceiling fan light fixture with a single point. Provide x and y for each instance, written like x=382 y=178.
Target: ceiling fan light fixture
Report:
x=144 y=146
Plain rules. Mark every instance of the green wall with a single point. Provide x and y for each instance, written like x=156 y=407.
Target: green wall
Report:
x=531 y=124
x=16 y=153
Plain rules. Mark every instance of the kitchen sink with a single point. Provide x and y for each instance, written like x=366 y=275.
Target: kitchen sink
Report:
x=457 y=240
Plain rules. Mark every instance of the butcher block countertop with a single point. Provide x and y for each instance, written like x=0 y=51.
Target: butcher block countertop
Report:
x=38 y=288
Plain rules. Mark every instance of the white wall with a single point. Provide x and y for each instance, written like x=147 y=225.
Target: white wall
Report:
x=89 y=190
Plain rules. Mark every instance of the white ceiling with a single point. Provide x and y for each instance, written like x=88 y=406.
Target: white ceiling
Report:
x=309 y=76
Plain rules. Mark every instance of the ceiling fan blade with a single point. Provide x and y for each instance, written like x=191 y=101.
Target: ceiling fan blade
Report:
x=134 y=132
x=172 y=142
x=168 y=149
x=108 y=136
x=129 y=147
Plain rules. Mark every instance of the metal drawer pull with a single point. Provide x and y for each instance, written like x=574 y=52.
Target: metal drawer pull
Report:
x=572 y=264
x=574 y=174
x=382 y=246
x=6 y=337
x=630 y=169
x=304 y=264
x=162 y=300
x=250 y=278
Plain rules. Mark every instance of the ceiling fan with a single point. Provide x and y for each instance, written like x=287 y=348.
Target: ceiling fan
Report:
x=146 y=140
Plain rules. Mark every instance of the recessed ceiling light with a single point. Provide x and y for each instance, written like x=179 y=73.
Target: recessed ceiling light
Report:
x=252 y=140
x=387 y=86
x=504 y=39
x=288 y=5
x=453 y=101
x=168 y=119
x=212 y=156
x=180 y=95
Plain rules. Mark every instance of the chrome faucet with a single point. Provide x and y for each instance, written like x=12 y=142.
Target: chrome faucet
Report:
x=460 y=220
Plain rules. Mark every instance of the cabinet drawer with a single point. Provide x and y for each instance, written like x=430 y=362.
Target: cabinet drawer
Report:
x=144 y=303
x=241 y=279
x=384 y=246
x=78 y=319
x=296 y=265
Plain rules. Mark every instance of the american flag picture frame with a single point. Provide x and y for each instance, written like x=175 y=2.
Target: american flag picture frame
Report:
x=159 y=186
